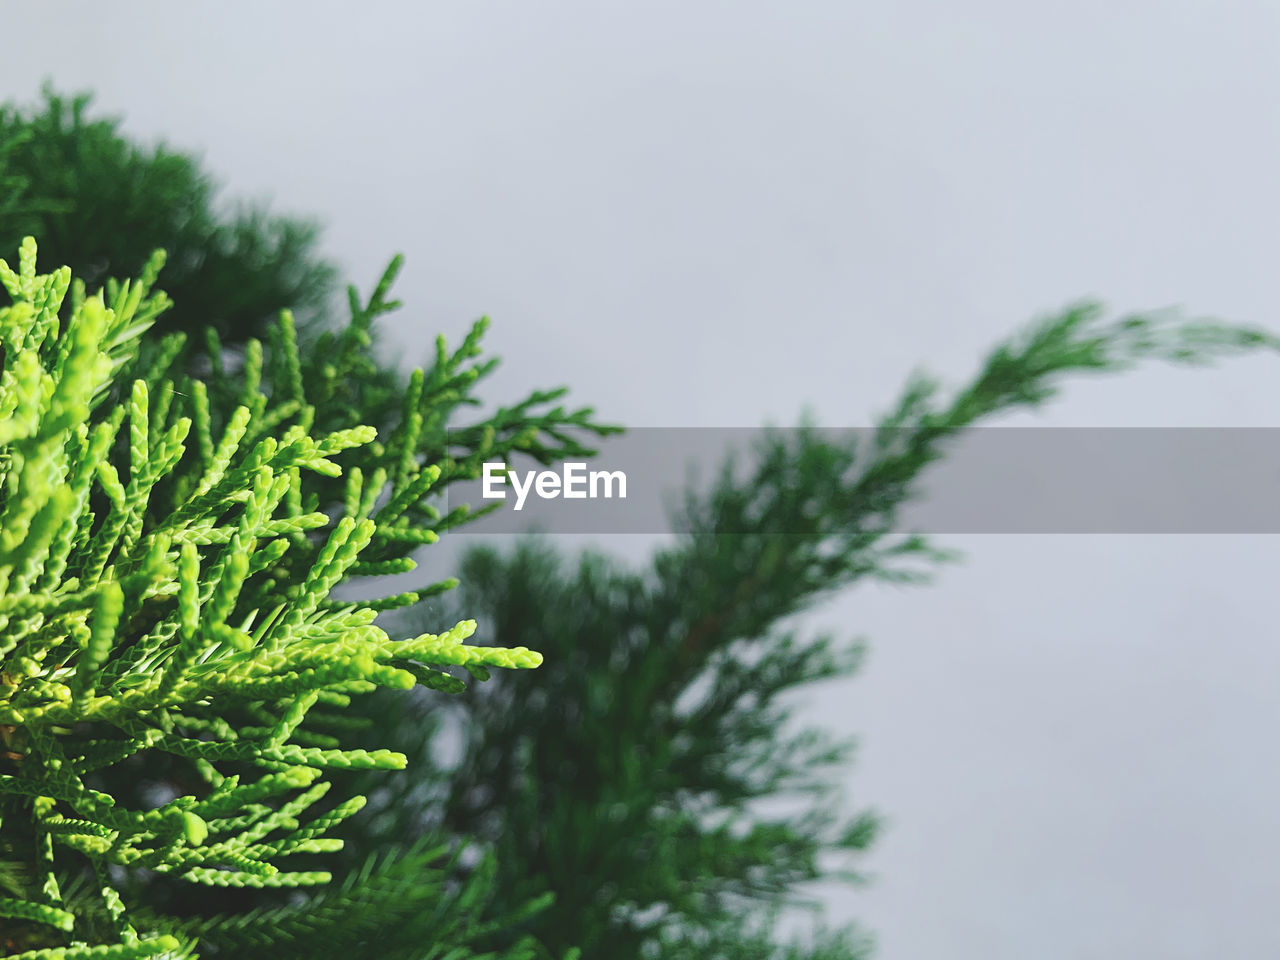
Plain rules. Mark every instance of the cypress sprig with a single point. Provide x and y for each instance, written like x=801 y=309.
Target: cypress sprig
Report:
x=165 y=588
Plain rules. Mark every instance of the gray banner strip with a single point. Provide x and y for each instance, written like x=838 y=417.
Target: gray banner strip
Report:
x=989 y=480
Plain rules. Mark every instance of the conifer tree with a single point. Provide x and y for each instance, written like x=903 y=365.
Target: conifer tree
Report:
x=614 y=793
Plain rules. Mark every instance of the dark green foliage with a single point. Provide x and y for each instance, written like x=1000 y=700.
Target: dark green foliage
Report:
x=398 y=904
x=629 y=779
x=101 y=204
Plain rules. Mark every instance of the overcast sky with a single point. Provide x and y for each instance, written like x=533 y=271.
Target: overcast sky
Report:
x=715 y=215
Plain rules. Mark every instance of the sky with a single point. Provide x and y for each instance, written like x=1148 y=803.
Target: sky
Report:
x=718 y=215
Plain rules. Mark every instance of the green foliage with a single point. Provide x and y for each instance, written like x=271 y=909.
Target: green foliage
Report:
x=101 y=204
x=414 y=904
x=654 y=778
x=166 y=595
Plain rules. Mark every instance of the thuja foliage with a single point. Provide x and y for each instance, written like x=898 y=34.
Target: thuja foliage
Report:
x=631 y=779
x=167 y=594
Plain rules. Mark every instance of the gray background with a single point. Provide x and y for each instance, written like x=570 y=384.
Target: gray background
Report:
x=713 y=215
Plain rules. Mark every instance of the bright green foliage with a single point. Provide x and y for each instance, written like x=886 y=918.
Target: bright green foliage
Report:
x=639 y=780
x=166 y=593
